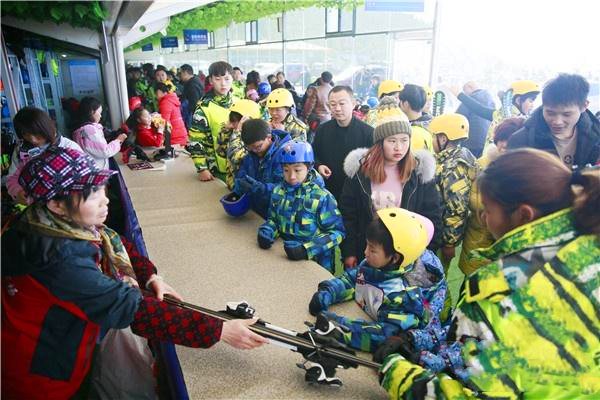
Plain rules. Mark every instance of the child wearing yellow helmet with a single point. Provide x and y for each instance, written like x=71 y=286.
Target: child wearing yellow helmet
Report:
x=280 y=103
x=400 y=284
x=517 y=101
x=455 y=172
x=230 y=145
x=387 y=88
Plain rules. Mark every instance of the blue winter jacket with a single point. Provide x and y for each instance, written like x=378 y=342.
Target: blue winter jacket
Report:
x=478 y=126
x=395 y=300
x=267 y=170
x=307 y=213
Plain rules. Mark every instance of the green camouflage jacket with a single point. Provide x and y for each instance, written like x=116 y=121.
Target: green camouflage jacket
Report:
x=455 y=172
x=529 y=322
x=210 y=116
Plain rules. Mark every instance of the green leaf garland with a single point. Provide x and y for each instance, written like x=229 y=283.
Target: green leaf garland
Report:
x=79 y=14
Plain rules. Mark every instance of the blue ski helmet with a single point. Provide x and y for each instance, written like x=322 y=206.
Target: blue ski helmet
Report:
x=297 y=152
x=372 y=102
x=264 y=88
x=235 y=205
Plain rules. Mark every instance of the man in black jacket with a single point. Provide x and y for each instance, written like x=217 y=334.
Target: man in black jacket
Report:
x=563 y=125
x=338 y=137
x=193 y=90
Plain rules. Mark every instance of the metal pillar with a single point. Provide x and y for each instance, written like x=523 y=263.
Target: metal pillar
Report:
x=433 y=71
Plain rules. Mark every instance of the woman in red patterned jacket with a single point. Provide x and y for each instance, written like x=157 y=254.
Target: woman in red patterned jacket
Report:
x=66 y=278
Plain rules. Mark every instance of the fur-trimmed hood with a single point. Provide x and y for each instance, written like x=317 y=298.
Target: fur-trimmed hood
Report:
x=425 y=163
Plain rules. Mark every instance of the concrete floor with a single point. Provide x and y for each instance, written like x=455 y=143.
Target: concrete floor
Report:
x=210 y=259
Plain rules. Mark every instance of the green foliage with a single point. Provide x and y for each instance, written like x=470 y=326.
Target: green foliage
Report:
x=220 y=14
x=79 y=14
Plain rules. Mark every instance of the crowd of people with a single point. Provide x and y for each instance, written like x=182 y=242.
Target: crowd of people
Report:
x=382 y=195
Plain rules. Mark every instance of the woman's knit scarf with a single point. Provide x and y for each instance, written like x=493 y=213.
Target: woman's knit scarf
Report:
x=115 y=261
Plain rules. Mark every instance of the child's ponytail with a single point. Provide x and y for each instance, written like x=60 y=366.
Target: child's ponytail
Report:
x=540 y=180
x=586 y=203
x=132 y=121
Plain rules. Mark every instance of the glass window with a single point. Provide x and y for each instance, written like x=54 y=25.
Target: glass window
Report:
x=304 y=61
x=237 y=34
x=304 y=23
x=411 y=60
x=347 y=20
x=264 y=58
x=252 y=32
x=220 y=37
x=270 y=29
x=332 y=20
x=351 y=60
x=338 y=20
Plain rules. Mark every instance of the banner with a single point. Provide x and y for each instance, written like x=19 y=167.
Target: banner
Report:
x=147 y=47
x=169 y=42
x=195 y=36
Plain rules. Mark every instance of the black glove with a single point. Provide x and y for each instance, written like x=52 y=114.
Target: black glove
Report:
x=140 y=154
x=263 y=242
x=295 y=252
x=402 y=343
x=315 y=307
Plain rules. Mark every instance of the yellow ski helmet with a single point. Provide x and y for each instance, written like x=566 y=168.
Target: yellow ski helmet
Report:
x=454 y=126
x=523 y=87
x=389 y=86
x=280 y=98
x=409 y=235
x=246 y=108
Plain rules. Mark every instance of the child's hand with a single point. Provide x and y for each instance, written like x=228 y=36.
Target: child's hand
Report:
x=448 y=253
x=161 y=127
x=21 y=198
x=205 y=176
x=324 y=171
x=121 y=138
x=350 y=262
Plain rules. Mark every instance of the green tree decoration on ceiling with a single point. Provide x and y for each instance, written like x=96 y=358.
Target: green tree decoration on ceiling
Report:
x=79 y=14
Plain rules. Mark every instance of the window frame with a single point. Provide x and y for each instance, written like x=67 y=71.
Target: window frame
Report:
x=339 y=31
x=252 y=30
x=211 y=39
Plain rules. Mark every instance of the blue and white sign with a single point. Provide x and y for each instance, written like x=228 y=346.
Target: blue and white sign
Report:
x=84 y=77
x=395 y=5
x=169 y=42
x=195 y=36
x=147 y=47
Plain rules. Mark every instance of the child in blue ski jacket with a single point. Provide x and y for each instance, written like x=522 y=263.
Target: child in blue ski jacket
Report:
x=261 y=169
x=303 y=212
x=400 y=284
